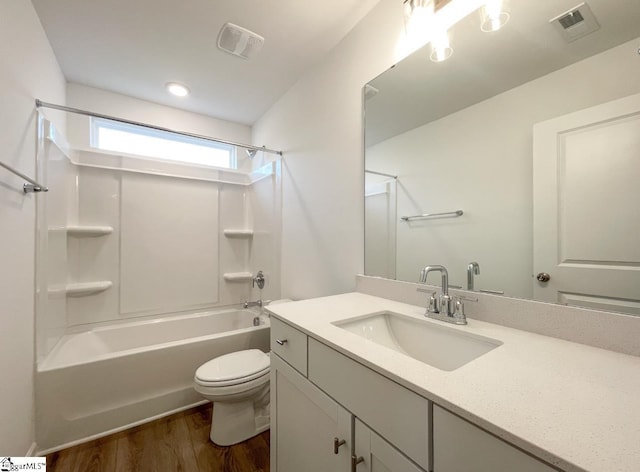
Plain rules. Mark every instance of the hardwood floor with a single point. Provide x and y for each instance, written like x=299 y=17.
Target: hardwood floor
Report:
x=176 y=443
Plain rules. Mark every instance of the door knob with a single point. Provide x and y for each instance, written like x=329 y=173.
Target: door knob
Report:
x=543 y=277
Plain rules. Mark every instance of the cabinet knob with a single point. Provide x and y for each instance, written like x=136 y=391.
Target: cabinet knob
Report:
x=282 y=342
x=355 y=461
x=337 y=443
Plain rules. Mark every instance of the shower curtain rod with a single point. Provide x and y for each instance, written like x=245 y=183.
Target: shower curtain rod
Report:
x=32 y=186
x=381 y=173
x=41 y=104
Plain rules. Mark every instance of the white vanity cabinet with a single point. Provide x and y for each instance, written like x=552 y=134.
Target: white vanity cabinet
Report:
x=459 y=446
x=320 y=396
x=307 y=427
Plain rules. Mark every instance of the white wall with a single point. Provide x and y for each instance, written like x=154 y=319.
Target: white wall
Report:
x=28 y=70
x=489 y=173
x=318 y=125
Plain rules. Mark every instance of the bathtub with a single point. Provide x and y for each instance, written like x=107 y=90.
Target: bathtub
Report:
x=97 y=382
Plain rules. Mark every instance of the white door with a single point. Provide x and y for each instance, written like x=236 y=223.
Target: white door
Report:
x=586 y=207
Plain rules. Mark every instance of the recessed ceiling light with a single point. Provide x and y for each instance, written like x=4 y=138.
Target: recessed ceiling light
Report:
x=177 y=89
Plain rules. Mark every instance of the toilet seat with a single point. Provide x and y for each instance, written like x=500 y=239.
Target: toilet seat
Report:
x=235 y=368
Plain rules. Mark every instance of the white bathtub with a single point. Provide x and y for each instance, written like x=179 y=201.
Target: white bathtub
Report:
x=100 y=381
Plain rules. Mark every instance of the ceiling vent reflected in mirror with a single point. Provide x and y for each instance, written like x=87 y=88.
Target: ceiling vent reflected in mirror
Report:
x=576 y=23
x=239 y=41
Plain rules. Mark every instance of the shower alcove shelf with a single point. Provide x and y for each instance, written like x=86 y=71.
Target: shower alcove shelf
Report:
x=238 y=233
x=85 y=289
x=88 y=231
x=82 y=289
x=238 y=277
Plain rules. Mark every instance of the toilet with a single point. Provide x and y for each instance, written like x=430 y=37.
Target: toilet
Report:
x=238 y=385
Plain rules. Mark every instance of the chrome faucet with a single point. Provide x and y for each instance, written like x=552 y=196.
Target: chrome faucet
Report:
x=443 y=308
x=258 y=280
x=260 y=303
x=250 y=304
x=472 y=269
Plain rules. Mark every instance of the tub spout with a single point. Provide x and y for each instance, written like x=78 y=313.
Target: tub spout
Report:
x=256 y=303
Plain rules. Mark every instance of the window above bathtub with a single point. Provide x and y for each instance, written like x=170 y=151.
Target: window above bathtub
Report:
x=107 y=144
x=133 y=140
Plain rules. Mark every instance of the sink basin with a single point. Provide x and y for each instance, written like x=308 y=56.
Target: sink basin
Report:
x=439 y=346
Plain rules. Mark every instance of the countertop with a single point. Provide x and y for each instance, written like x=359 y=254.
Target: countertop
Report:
x=574 y=406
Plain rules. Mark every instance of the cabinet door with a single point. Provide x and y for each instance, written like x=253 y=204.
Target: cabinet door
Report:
x=377 y=454
x=304 y=423
x=395 y=412
x=459 y=446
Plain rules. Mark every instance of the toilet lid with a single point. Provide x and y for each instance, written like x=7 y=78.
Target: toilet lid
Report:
x=240 y=366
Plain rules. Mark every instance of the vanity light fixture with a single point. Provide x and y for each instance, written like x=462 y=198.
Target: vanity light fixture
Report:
x=417 y=16
x=495 y=14
x=177 y=89
x=424 y=22
x=440 y=47
x=420 y=19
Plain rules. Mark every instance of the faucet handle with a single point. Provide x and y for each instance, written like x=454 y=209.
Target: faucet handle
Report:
x=258 y=280
x=459 y=307
x=434 y=304
x=458 y=314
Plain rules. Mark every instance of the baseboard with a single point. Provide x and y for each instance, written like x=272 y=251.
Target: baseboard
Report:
x=32 y=450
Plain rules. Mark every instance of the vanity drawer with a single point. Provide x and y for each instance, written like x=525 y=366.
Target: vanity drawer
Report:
x=400 y=416
x=290 y=344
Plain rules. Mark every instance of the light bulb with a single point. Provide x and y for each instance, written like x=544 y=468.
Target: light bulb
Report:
x=177 y=89
x=440 y=47
x=417 y=16
x=495 y=14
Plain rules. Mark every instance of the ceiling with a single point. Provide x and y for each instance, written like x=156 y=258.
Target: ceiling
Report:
x=417 y=91
x=135 y=47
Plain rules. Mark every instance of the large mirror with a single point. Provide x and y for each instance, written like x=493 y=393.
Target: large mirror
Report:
x=528 y=140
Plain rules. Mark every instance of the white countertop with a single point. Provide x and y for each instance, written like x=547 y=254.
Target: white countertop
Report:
x=572 y=405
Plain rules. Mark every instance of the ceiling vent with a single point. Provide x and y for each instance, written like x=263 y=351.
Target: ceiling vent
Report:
x=239 y=41
x=576 y=23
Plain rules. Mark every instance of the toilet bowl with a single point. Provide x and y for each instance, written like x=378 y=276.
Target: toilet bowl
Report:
x=238 y=385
